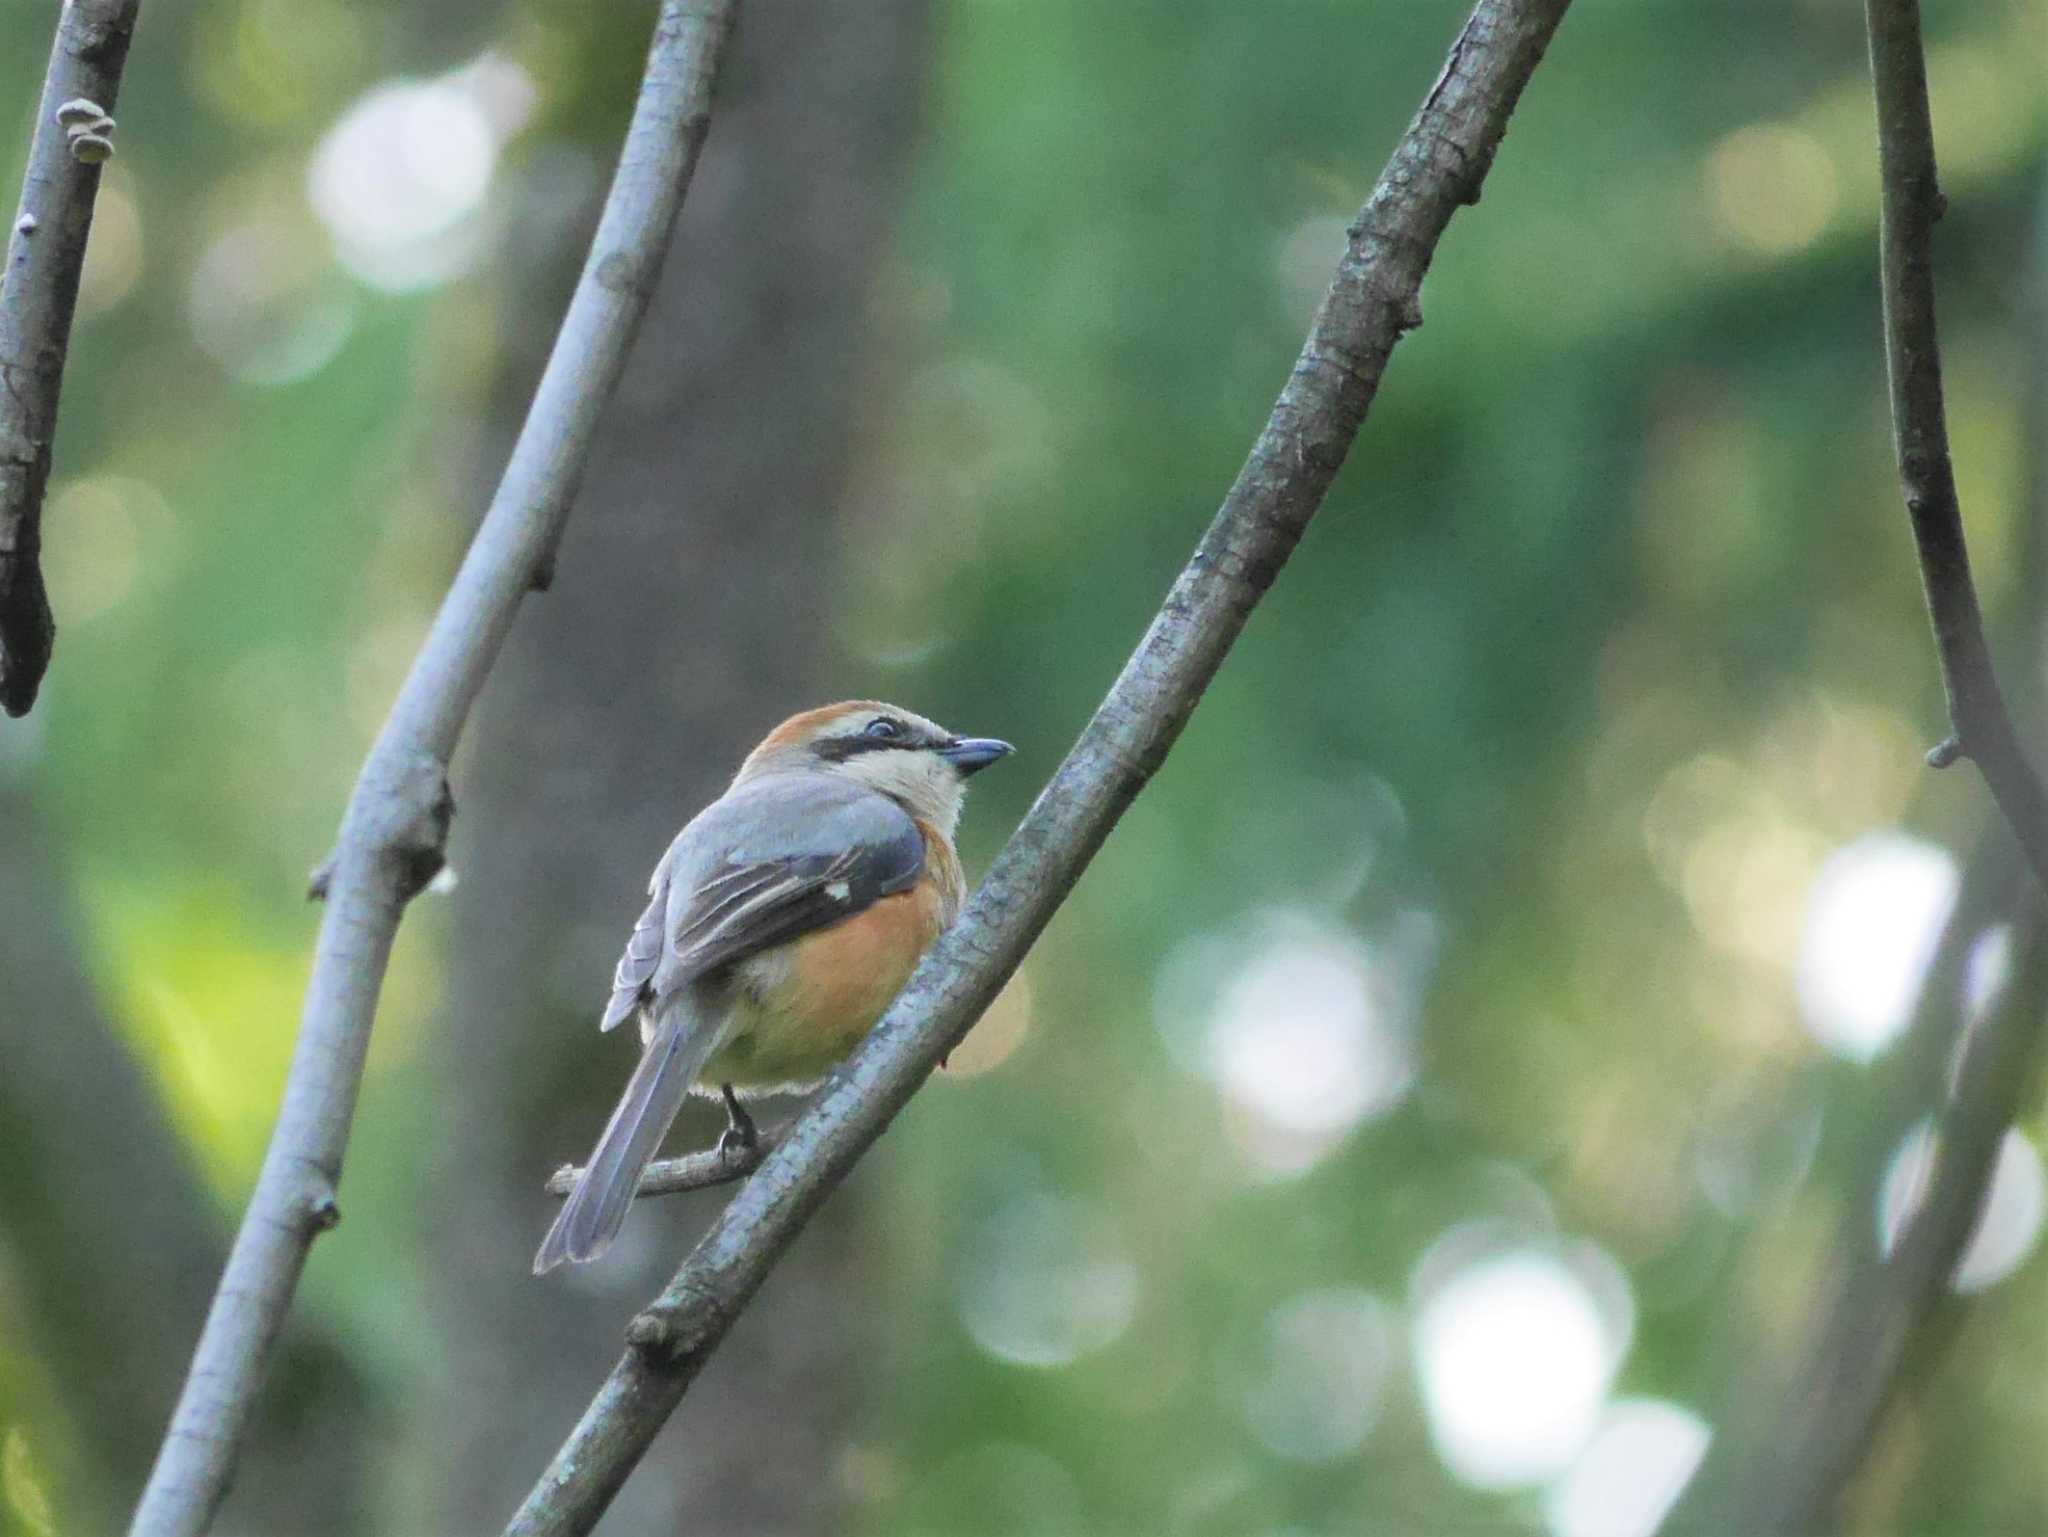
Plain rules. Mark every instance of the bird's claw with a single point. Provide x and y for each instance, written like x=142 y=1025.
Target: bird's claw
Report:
x=740 y=1136
x=734 y=1143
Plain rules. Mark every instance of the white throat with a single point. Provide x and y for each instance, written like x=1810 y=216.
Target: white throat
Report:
x=925 y=783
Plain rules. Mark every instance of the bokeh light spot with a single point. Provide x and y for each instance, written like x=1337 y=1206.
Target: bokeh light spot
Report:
x=266 y=306
x=1631 y=1473
x=102 y=529
x=113 y=257
x=1045 y=1280
x=1306 y=1028
x=1872 y=919
x=401 y=178
x=998 y=1033
x=1987 y=968
x=1297 y=1037
x=1311 y=1384
x=1303 y=259
x=1772 y=187
x=1515 y=1354
x=2009 y=1227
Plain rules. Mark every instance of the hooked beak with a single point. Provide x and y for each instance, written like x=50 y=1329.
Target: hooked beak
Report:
x=971 y=754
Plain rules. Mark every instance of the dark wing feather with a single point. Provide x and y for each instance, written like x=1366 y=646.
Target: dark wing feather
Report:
x=754 y=906
x=764 y=863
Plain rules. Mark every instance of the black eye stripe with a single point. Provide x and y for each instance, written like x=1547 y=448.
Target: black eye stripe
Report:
x=837 y=749
x=906 y=738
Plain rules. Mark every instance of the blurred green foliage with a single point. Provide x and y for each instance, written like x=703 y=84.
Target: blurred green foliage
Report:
x=1608 y=635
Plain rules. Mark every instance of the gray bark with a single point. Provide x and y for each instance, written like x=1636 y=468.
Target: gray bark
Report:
x=38 y=291
x=395 y=828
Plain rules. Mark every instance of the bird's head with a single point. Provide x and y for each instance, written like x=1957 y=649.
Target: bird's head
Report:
x=884 y=747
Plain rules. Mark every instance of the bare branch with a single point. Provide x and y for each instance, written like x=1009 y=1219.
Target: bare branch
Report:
x=1886 y=1314
x=45 y=254
x=392 y=833
x=1373 y=299
x=1982 y=728
x=677 y=1176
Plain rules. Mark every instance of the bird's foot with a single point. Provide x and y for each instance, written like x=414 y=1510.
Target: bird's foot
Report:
x=740 y=1134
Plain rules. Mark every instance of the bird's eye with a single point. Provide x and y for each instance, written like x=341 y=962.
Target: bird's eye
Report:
x=883 y=729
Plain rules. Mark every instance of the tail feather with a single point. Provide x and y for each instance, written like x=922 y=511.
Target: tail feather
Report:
x=596 y=1209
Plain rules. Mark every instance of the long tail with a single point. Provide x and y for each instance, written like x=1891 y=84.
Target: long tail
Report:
x=596 y=1209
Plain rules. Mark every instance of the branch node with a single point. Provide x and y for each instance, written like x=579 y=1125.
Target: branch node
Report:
x=621 y=274
x=321 y=878
x=1946 y=752
x=652 y=1331
x=678 y=1324
x=411 y=810
x=323 y=1212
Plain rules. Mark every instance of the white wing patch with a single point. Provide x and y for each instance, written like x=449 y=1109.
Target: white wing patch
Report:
x=759 y=867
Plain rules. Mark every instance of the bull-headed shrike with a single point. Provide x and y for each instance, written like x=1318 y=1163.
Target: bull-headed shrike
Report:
x=783 y=920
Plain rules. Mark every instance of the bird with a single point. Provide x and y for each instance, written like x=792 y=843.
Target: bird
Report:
x=784 y=918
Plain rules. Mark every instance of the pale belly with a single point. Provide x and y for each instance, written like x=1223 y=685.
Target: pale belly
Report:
x=801 y=1010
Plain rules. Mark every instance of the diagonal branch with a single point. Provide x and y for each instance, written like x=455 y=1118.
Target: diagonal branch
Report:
x=393 y=831
x=1982 y=728
x=45 y=254
x=1373 y=300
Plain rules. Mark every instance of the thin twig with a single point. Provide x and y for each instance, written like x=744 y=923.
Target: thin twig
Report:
x=678 y=1176
x=1372 y=301
x=1786 y=1474
x=45 y=254
x=393 y=832
x=1912 y=201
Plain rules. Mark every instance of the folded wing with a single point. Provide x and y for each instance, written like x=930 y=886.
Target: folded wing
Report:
x=769 y=862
